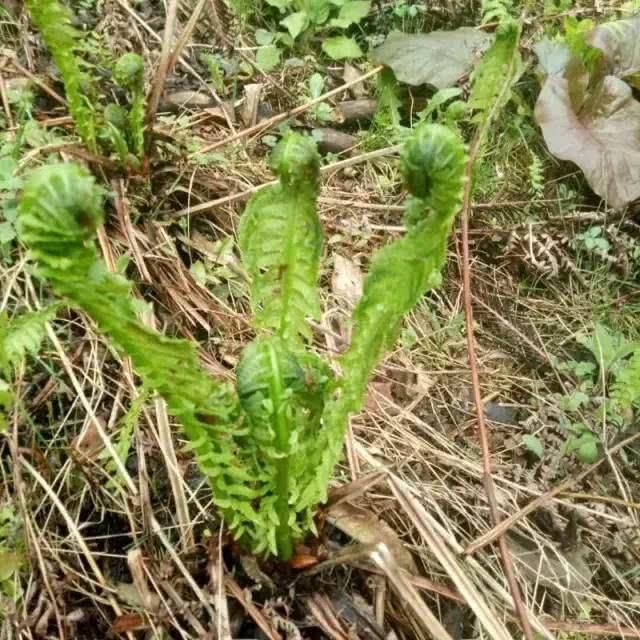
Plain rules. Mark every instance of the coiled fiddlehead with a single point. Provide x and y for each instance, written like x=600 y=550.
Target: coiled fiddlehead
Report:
x=432 y=163
x=129 y=74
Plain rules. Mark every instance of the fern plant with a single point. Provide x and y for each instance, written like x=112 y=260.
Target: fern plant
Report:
x=269 y=446
x=54 y=21
x=117 y=128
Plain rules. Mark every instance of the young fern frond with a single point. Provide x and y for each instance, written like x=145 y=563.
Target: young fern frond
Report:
x=496 y=11
x=496 y=73
x=433 y=163
x=60 y=210
x=280 y=239
x=269 y=448
x=53 y=20
x=129 y=74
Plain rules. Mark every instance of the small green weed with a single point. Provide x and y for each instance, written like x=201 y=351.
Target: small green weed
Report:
x=605 y=392
x=300 y=20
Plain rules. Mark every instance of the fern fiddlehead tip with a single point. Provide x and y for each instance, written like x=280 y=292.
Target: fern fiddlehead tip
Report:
x=432 y=165
x=129 y=70
x=60 y=201
x=296 y=160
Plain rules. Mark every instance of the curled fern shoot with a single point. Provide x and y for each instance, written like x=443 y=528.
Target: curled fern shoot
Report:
x=281 y=242
x=400 y=274
x=53 y=20
x=129 y=74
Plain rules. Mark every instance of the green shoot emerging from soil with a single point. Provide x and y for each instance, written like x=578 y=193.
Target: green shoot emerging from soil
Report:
x=268 y=447
x=118 y=129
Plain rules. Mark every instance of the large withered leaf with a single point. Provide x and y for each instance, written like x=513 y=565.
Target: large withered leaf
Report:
x=439 y=58
x=619 y=42
x=601 y=135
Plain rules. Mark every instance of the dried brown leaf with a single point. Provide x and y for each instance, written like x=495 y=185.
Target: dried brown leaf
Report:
x=346 y=281
x=366 y=528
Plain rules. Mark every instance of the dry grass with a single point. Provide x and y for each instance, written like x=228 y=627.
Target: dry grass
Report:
x=117 y=523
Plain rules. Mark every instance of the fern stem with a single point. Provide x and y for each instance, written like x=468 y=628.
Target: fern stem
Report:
x=283 y=430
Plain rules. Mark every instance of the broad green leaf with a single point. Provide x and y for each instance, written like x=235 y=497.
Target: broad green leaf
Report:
x=295 y=23
x=317 y=10
x=607 y=346
x=351 y=13
x=8 y=165
x=268 y=58
x=341 y=48
x=587 y=452
x=601 y=134
x=439 y=58
x=7 y=232
x=534 y=445
x=316 y=85
x=264 y=37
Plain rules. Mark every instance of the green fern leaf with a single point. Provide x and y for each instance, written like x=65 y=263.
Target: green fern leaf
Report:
x=280 y=239
x=497 y=72
x=626 y=388
x=22 y=336
x=129 y=73
x=433 y=164
x=496 y=11
x=53 y=20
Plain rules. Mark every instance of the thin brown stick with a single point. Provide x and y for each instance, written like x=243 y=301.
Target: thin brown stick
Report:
x=507 y=561
x=261 y=126
x=501 y=528
x=185 y=35
x=256 y=615
x=163 y=64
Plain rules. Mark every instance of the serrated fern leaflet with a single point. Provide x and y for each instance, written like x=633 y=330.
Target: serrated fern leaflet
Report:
x=281 y=241
x=53 y=20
